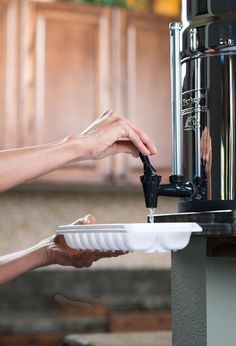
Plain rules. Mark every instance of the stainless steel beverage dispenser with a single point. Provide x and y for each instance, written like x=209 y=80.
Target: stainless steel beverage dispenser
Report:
x=203 y=85
x=203 y=78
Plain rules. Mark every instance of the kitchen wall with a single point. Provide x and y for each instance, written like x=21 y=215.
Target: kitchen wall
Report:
x=27 y=217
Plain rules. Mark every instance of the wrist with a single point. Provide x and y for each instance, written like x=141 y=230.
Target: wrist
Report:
x=77 y=147
x=39 y=257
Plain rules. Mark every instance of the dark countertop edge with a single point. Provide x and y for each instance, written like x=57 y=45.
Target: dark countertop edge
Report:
x=221 y=223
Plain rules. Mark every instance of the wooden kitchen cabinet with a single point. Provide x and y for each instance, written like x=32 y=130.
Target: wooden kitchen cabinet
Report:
x=63 y=63
x=67 y=78
x=143 y=62
x=9 y=73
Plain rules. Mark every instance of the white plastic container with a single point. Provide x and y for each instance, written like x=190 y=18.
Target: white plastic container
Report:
x=148 y=237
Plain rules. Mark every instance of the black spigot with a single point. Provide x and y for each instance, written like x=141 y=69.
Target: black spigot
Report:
x=150 y=182
x=177 y=187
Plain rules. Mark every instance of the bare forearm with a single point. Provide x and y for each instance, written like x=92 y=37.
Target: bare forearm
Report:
x=21 y=165
x=18 y=263
x=52 y=250
x=114 y=136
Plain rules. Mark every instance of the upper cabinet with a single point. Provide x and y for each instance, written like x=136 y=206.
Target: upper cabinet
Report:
x=144 y=83
x=62 y=64
x=67 y=62
x=67 y=77
x=9 y=73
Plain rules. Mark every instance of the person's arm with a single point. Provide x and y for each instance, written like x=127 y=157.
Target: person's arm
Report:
x=113 y=136
x=50 y=251
x=18 y=263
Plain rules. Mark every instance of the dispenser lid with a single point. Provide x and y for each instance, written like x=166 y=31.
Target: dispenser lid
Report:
x=147 y=237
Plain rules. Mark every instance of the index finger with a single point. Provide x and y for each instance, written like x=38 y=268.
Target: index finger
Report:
x=139 y=137
x=144 y=137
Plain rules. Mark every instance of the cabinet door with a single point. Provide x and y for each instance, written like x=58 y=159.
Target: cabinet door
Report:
x=66 y=84
x=9 y=29
x=142 y=71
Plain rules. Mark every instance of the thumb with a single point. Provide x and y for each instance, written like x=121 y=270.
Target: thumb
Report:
x=120 y=147
x=126 y=147
x=88 y=219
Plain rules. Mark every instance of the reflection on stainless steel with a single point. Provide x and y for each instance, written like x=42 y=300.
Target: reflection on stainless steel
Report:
x=208 y=64
x=176 y=106
x=206 y=157
x=193 y=40
x=197 y=67
x=232 y=128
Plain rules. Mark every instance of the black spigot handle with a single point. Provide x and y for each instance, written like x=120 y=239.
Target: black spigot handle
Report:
x=148 y=168
x=150 y=182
